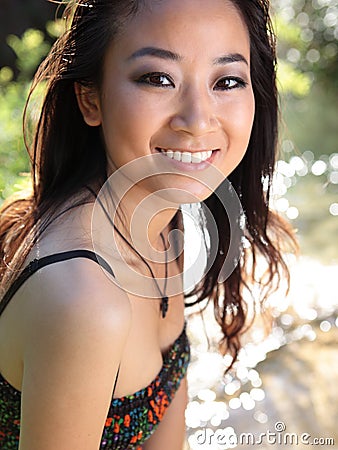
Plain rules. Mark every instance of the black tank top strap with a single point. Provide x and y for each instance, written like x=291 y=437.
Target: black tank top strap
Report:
x=37 y=264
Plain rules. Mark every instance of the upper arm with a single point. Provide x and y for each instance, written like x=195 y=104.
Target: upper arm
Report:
x=74 y=340
x=170 y=433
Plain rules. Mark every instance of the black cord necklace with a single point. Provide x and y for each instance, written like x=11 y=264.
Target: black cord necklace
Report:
x=164 y=298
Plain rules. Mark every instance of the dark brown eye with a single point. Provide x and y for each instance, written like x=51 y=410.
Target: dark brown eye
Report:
x=229 y=83
x=156 y=79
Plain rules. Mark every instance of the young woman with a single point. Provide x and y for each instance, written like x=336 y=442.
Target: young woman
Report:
x=148 y=104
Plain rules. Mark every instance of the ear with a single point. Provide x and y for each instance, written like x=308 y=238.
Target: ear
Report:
x=89 y=104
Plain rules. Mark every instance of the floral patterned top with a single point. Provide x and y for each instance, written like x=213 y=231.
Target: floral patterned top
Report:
x=131 y=419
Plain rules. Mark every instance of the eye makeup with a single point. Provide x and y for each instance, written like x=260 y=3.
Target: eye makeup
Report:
x=157 y=79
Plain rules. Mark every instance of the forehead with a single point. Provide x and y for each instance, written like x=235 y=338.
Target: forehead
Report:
x=189 y=27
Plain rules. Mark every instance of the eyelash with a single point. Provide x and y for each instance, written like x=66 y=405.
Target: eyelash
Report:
x=146 y=79
x=239 y=83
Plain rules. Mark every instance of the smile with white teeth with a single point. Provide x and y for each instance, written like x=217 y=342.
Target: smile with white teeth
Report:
x=187 y=157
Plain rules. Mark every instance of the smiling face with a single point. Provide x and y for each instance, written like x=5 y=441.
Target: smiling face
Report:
x=176 y=83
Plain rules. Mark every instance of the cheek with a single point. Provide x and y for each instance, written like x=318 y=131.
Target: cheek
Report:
x=242 y=119
x=128 y=121
x=238 y=126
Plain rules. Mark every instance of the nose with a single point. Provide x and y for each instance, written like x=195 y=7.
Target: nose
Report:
x=195 y=114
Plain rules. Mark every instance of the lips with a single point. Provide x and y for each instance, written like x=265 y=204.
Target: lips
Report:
x=186 y=156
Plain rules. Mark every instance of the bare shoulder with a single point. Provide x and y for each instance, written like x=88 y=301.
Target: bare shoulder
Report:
x=74 y=334
x=76 y=292
x=75 y=298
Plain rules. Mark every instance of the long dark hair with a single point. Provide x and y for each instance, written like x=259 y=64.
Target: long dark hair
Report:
x=67 y=154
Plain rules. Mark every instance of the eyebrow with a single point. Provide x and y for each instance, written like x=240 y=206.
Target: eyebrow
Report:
x=171 y=56
x=157 y=52
x=231 y=58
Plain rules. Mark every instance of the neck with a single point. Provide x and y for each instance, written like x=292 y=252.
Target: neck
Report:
x=144 y=220
x=136 y=231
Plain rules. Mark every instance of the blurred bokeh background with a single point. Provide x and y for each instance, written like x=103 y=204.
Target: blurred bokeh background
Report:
x=292 y=375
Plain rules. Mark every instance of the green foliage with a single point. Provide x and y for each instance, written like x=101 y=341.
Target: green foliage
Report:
x=292 y=81
x=55 y=28
x=308 y=38
x=14 y=160
x=307 y=73
x=13 y=156
x=29 y=49
x=288 y=33
x=6 y=75
x=311 y=121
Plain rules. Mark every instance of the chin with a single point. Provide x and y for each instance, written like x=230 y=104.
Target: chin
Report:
x=180 y=192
